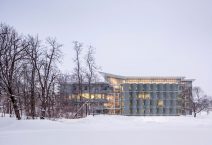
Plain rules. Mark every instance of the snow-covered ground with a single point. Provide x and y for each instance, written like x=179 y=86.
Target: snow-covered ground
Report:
x=108 y=130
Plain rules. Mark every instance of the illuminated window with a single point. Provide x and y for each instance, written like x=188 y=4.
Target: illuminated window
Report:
x=160 y=103
x=144 y=96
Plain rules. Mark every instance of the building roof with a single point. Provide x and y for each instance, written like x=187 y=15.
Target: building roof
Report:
x=142 y=77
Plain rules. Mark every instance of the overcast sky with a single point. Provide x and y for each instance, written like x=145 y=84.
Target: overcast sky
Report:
x=148 y=38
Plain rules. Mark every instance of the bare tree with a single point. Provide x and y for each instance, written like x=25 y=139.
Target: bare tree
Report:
x=91 y=71
x=34 y=54
x=23 y=90
x=199 y=101
x=28 y=74
x=78 y=74
x=46 y=70
x=12 y=48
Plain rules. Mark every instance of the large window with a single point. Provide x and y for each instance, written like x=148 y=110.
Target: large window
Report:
x=144 y=96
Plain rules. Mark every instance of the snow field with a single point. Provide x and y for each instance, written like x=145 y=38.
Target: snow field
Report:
x=109 y=130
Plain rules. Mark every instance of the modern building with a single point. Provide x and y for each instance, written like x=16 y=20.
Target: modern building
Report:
x=137 y=96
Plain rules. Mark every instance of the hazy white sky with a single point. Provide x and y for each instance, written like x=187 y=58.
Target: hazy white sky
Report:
x=151 y=37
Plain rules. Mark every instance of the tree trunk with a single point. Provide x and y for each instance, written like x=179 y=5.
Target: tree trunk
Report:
x=32 y=107
x=10 y=109
x=15 y=107
x=43 y=111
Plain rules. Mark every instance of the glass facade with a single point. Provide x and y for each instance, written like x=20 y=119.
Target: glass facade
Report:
x=137 y=95
x=145 y=99
x=151 y=95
